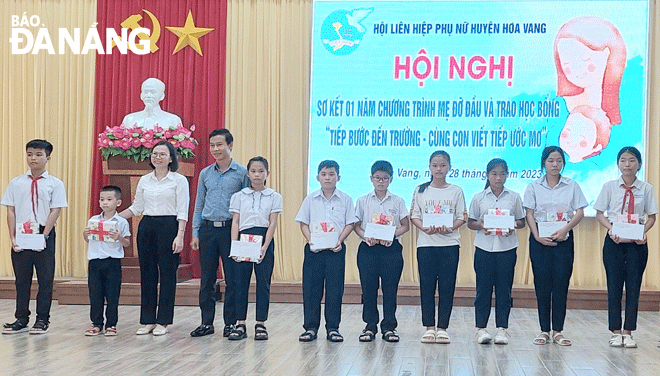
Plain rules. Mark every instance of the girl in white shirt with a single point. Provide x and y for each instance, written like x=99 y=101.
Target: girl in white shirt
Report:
x=255 y=212
x=552 y=198
x=437 y=246
x=629 y=200
x=495 y=251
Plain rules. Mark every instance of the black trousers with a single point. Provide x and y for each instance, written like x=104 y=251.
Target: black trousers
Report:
x=552 y=267
x=437 y=268
x=379 y=265
x=624 y=265
x=24 y=264
x=494 y=270
x=263 y=272
x=104 y=284
x=325 y=268
x=157 y=262
x=214 y=244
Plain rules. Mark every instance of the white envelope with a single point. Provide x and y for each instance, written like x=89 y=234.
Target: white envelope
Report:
x=631 y=231
x=35 y=242
x=499 y=221
x=437 y=219
x=245 y=250
x=324 y=240
x=546 y=229
x=380 y=232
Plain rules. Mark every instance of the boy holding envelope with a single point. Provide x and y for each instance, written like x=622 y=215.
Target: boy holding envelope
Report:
x=326 y=218
x=382 y=218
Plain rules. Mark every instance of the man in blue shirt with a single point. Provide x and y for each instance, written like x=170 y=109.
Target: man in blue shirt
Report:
x=212 y=229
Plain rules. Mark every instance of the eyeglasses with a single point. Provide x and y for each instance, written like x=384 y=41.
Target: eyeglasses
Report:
x=160 y=155
x=380 y=179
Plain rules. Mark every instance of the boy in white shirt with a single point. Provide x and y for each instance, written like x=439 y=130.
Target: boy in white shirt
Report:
x=325 y=210
x=104 y=269
x=34 y=201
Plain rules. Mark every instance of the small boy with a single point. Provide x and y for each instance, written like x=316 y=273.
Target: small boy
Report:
x=325 y=210
x=104 y=270
x=34 y=201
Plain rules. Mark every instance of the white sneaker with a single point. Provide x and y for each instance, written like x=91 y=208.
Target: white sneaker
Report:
x=502 y=337
x=160 y=330
x=145 y=329
x=629 y=342
x=616 y=340
x=483 y=337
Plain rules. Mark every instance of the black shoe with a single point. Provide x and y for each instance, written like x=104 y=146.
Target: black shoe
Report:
x=227 y=330
x=15 y=327
x=202 y=330
x=40 y=327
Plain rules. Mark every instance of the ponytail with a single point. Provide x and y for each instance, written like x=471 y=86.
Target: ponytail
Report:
x=440 y=153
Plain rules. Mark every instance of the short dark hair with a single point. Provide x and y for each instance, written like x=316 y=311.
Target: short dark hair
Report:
x=112 y=188
x=328 y=163
x=40 y=144
x=174 y=165
x=551 y=149
x=383 y=166
x=222 y=132
x=633 y=151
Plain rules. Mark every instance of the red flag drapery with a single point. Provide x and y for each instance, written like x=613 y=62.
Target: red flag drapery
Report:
x=194 y=83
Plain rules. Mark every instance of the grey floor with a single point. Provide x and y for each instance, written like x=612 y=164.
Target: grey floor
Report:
x=66 y=351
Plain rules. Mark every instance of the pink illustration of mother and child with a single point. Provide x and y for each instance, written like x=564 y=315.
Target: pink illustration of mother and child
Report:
x=590 y=57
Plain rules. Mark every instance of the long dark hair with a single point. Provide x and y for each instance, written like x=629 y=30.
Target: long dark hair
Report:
x=437 y=153
x=549 y=150
x=492 y=164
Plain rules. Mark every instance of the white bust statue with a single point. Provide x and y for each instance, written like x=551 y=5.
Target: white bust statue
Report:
x=153 y=91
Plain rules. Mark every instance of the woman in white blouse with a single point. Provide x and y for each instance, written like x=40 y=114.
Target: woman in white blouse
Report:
x=162 y=196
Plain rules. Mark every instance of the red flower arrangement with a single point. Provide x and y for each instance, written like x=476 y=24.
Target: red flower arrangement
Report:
x=136 y=142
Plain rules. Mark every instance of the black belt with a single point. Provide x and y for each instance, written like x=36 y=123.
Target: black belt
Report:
x=217 y=223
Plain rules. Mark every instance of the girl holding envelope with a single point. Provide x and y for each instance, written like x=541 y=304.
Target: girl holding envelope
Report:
x=438 y=211
x=255 y=212
x=382 y=217
x=627 y=200
x=495 y=213
x=554 y=205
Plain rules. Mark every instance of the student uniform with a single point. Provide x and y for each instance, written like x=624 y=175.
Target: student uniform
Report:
x=34 y=205
x=625 y=262
x=162 y=203
x=552 y=265
x=104 y=274
x=437 y=254
x=212 y=225
x=494 y=257
x=325 y=266
x=378 y=263
x=254 y=208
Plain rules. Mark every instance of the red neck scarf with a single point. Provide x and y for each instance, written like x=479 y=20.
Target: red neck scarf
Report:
x=34 y=194
x=631 y=200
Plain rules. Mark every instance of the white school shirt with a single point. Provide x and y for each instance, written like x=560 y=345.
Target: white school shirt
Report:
x=565 y=197
x=368 y=205
x=18 y=194
x=169 y=196
x=338 y=210
x=255 y=207
x=486 y=199
x=610 y=199
x=451 y=195
x=97 y=249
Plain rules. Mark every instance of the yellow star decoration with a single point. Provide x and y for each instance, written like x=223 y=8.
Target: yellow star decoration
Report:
x=189 y=34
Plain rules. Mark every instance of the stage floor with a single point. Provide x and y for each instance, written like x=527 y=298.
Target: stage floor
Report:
x=66 y=351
